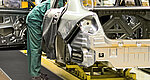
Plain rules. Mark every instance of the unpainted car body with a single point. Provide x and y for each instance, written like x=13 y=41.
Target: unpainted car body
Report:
x=12 y=27
x=86 y=35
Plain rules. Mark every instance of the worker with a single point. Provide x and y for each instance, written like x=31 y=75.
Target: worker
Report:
x=34 y=35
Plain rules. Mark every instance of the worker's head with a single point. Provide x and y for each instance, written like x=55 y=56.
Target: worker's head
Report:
x=43 y=0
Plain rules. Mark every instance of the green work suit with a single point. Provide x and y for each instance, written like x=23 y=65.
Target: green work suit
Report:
x=34 y=36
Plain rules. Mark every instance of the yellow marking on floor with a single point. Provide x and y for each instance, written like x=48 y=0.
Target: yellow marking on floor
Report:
x=50 y=65
x=3 y=75
x=23 y=51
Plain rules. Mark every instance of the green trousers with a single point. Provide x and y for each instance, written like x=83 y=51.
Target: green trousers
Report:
x=34 y=36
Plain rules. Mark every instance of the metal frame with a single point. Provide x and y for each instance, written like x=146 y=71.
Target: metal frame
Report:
x=102 y=73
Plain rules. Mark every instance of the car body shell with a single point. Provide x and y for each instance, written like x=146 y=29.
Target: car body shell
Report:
x=95 y=47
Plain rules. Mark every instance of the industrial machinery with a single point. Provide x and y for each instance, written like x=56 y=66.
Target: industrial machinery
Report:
x=12 y=27
x=12 y=24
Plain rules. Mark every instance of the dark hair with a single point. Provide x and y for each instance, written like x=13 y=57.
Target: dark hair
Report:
x=43 y=0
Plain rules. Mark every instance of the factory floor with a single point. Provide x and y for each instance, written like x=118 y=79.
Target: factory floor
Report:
x=15 y=66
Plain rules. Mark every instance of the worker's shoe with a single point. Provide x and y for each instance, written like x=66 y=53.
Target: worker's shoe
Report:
x=37 y=78
x=44 y=76
x=41 y=77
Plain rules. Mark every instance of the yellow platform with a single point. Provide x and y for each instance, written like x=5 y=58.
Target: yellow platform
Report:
x=50 y=65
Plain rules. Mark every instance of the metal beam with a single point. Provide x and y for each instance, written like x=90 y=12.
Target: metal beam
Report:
x=7 y=11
